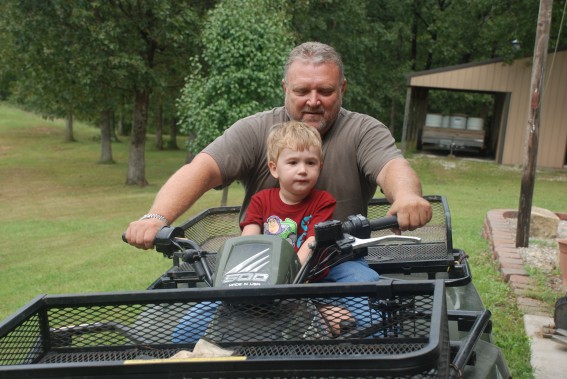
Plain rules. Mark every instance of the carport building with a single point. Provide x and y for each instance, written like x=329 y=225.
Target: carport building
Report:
x=509 y=84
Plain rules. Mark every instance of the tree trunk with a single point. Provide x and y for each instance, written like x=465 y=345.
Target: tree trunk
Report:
x=105 y=135
x=395 y=87
x=159 y=127
x=190 y=155
x=69 y=137
x=137 y=161
x=112 y=123
x=172 y=143
x=532 y=130
x=413 y=38
x=121 y=126
x=224 y=197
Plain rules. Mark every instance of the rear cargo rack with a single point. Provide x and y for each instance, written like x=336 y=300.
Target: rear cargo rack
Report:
x=433 y=258
x=403 y=333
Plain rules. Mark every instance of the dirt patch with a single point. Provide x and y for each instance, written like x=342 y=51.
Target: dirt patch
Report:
x=542 y=254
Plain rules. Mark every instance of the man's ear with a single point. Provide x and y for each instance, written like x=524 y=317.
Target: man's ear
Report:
x=284 y=86
x=272 y=167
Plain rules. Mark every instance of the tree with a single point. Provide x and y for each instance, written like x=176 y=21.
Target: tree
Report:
x=238 y=74
x=245 y=44
x=146 y=40
x=85 y=57
x=42 y=45
x=533 y=123
x=348 y=27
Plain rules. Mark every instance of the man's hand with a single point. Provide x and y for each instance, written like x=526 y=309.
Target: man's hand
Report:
x=413 y=211
x=142 y=233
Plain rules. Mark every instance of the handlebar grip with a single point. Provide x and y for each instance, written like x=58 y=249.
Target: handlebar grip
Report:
x=361 y=227
x=383 y=223
x=124 y=237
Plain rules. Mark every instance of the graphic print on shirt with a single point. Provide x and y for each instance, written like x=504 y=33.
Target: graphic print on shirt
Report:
x=287 y=229
x=304 y=228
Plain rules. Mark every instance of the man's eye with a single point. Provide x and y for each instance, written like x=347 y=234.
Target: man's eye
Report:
x=301 y=92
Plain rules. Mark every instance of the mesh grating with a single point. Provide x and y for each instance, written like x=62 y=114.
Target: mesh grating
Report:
x=107 y=356
x=296 y=326
x=434 y=232
x=408 y=253
x=317 y=319
x=213 y=227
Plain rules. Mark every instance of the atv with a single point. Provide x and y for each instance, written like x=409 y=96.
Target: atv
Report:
x=244 y=307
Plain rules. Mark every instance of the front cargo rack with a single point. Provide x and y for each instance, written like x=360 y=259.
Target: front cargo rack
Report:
x=272 y=332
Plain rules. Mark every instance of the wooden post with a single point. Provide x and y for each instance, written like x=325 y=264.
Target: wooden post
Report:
x=532 y=130
x=406 y=120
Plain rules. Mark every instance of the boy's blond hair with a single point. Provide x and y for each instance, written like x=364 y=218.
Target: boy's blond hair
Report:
x=293 y=135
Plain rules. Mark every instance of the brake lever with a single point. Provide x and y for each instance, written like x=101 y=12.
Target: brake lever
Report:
x=367 y=242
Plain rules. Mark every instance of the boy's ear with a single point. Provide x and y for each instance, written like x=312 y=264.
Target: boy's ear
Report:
x=272 y=167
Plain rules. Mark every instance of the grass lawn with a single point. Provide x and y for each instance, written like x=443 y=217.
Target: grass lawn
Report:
x=63 y=215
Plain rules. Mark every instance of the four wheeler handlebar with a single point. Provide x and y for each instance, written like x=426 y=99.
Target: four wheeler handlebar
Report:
x=335 y=242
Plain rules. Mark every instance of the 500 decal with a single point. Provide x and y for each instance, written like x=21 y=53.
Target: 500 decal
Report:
x=246 y=277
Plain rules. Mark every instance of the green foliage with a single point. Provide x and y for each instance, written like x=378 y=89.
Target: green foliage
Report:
x=40 y=44
x=382 y=40
x=245 y=45
x=360 y=31
x=88 y=56
x=59 y=56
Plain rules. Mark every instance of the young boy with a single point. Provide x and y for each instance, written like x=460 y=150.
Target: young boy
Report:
x=295 y=159
x=291 y=211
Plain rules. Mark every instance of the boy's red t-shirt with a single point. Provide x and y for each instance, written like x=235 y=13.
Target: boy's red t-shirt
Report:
x=294 y=223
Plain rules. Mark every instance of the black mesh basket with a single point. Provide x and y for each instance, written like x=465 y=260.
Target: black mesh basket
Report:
x=390 y=329
x=432 y=255
x=432 y=258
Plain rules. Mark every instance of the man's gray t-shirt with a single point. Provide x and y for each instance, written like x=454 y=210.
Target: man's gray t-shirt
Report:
x=355 y=149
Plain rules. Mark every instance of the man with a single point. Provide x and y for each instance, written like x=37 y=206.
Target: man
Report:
x=359 y=153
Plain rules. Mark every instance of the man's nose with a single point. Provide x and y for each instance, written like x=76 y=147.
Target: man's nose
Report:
x=313 y=100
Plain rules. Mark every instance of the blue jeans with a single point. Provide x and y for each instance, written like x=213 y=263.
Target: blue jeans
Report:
x=351 y=272
x=356 y=271
x=187 y=331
